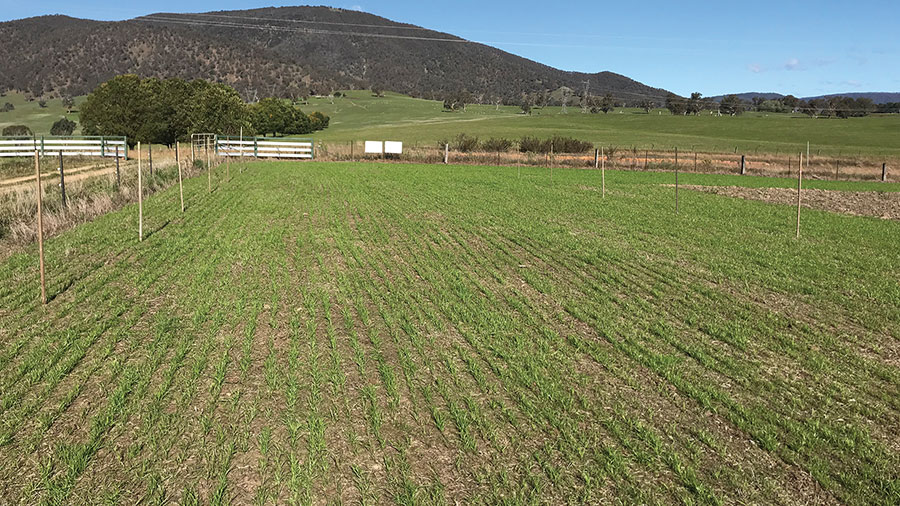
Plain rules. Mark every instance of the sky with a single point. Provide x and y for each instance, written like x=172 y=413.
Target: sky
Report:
x=803 y=47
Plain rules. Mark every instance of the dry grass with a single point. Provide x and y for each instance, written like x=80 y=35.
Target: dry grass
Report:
x=87 y=199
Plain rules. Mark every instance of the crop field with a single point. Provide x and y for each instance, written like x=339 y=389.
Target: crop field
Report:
x=346 y=333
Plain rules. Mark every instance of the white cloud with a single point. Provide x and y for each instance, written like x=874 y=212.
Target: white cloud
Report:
x=756 y=68
x=793 y=64
x=356 y=8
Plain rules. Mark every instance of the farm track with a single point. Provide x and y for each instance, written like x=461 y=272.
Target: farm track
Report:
x=373 y=333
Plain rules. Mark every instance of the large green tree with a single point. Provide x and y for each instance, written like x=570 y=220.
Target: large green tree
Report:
x=116 y=107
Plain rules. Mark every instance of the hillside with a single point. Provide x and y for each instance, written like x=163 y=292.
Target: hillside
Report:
x=285 y=51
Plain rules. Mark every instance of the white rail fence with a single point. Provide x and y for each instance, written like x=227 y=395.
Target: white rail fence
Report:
x=262 y=147
x=68 y=146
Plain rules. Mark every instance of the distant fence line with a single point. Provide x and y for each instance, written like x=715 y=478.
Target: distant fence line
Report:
x=644 y=159
x=66 y=145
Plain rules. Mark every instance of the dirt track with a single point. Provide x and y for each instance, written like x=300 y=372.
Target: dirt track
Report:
x=885 y=205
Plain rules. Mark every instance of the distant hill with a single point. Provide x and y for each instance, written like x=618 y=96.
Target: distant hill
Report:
x=877 y=97
x=284 y=51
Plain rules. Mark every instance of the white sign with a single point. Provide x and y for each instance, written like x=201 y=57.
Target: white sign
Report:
x=374 y=147
x=393 y=148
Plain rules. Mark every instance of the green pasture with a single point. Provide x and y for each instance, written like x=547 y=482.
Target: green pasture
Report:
x=346 y=333
x=361 y=116
x=31 y=114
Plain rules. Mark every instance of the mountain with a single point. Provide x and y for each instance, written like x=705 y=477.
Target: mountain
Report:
x=283 y=51
x=877 y=97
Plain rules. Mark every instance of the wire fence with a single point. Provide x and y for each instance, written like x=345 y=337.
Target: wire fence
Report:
x=850 y=167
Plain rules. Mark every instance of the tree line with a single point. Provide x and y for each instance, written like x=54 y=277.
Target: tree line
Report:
x=826 y=107
x=161 y=111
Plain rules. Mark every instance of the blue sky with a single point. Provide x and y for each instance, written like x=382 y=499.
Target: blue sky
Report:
x=799 y=47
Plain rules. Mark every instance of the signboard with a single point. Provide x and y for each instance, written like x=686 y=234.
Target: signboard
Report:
x=393 y=148
x=374 y=147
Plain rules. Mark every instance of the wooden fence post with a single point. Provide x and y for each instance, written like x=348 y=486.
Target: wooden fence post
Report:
x=351 y=152
x=446 y=153
x=596 y=158
x=676 y=180
x=208 y=169
x=118 y=177
x=180 y=185
x=140 y=189
x=150 y=157
x=603 y=171
x=884 y=172
x=743 y=165
x=62 y=181
x=40 y=225
x=799 y=189
x=551 y=160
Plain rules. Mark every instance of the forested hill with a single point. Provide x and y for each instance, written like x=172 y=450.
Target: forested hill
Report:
x=286 y=51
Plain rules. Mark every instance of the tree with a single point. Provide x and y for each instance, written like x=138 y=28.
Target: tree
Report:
x=377 y=91
x=7 y=107
x=732 y=105
x=675 y=104
x=319 y=121
x=42 y=103
x=68 y=102
x=63 y=126
x=17 y=131
x=218 y=109
x=647 y=105
x=116 y=107
x=271 y=115
x=607 y=103
x=695 y=104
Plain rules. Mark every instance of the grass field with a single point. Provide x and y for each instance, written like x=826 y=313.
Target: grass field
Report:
x=361 y=116
x=412 y=334
x=31 y=114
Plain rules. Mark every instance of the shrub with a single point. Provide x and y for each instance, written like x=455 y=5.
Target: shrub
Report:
x=570 y=145
x=464 y=143
x=63 y=127
x=497 y=145
x=534 y=145
x=17 y=131
x=7 y=107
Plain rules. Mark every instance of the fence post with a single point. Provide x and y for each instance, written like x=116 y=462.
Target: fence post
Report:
x=799 y=189
x=695 y=161
x=62 y=181
x=446 y=153
x=140 y=189
x=596 y=158
x=150 y=157
x=743 y=165
x=180 y=185
x=40 y=225
x=351 y=152
x=551 y=160
x=118 y=178
x=884 y=172
x=603 y=171
x=208 y=170
x=676 y=180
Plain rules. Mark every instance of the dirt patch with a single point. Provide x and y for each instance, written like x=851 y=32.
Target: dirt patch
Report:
x=885 y=205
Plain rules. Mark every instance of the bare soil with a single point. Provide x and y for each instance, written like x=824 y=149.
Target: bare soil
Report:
x=885 y=205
